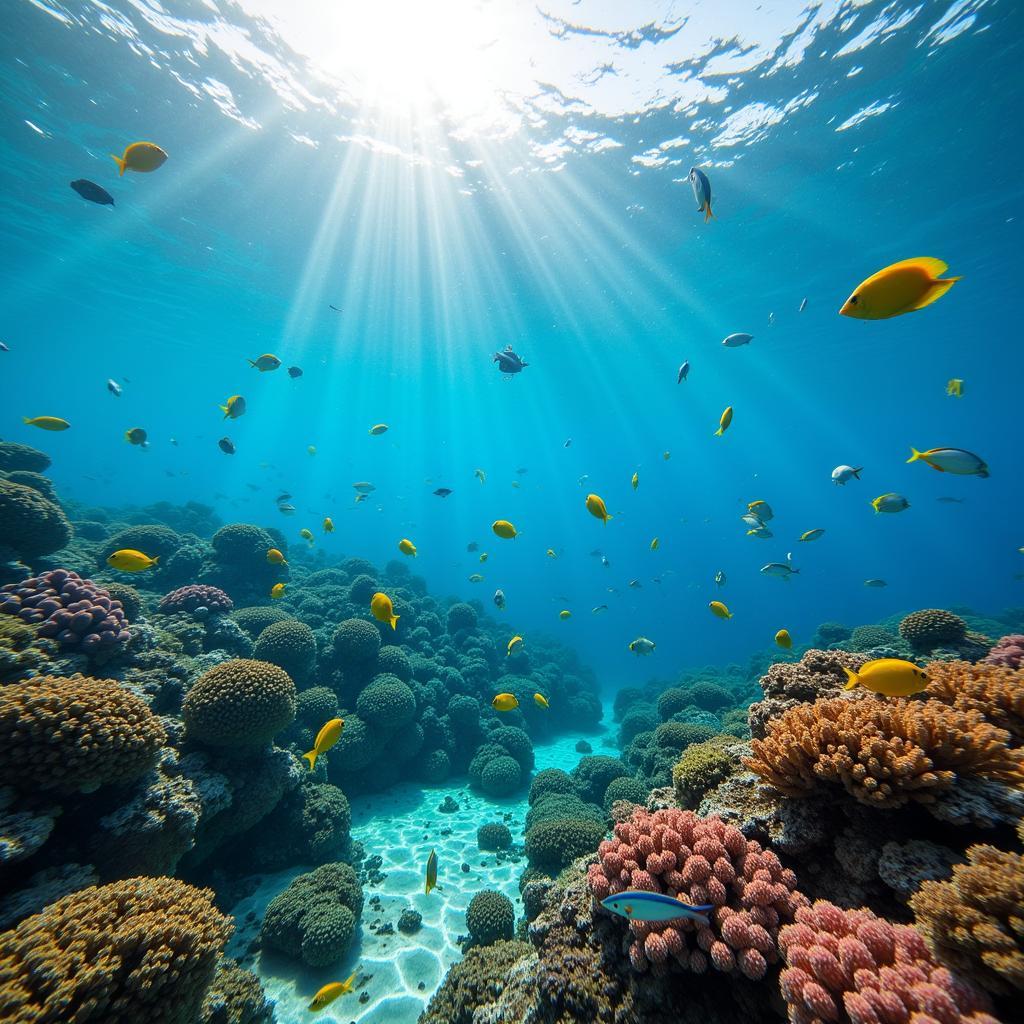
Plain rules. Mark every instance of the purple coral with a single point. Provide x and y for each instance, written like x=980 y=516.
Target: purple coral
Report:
x=78 y=613
x=197 y=595
x=1008 y=652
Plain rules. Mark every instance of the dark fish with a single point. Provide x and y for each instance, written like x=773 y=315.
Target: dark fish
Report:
x=174 y=441
x=283 y=496
x=683 y=371
x=253 y=487
x=335 y=308
x=114 y=388
x=701 y=192
x=226 y=445
x=508 y=361
x=596 y=553
x=472 y=546
x=294 y=371
x=3 y=347
x=93 y=192
x=568 y=443
x=443 y=492
x=521 y=470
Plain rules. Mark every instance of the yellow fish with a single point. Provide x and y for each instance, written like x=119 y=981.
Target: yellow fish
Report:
x=407 y=547
x=540 y=700
x=955 y=387
x=719 y=609
x=306 y=535
x=275 y=557
x=328 y=735
x=951 y=460
x=480 y=475
x=654 y=544
x=505 y=702
x=483 y=556
x=136 y=436
x=378 y=428
x=723 y=423
x=783 y=639
x=503 y=528
x=809 y=535
x=515 y=642
x=761 y=509
x=328 y=524
x=311 y=449
x=596 y=507
x=265 y=362
x=129 y=560
x=476 y=578
x=382 y=610
x=139 y=156
x=277 y=590
x=233 y=408
x=565 y=614
x=902 y=287
x=46 y=422
x=635 y=481
x=431 y=880
x=330 y=992
x=892 y=677
x=551 y=553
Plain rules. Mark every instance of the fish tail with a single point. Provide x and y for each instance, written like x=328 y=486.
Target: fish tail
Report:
x=311 y=758
x=251 y=362
x=914 y=454
x=719 y=432
x=26 y=419
x=936 y=291
x=708 y=215
x=851 y=679
x=394 y=620
x=223 y=409
x=121 y=164
x=156 y=559
x=858 y=471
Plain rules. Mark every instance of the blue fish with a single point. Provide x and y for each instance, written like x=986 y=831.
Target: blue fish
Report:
x=701 y=192
x=654 y=906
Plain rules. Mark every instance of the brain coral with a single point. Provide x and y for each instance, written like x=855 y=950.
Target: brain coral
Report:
x=143 y=949
x=461 y=616
x=974 y=921
x=37 y=482
x=29 y=524
x=637 y=719
x=516 y=742
x=864 y=638
x=356 y=643
x=290 y=645
x=255 y=620
x=501 y=776
x=884 y=754
x=702 y=861
x=386 y=702
x=624 y=788
x=242 y=545
x=992 y=690
x=361 y=590
x=932 y=627
x=316 y=705
x=14 y=457
x=849 y=965
x=239 y=703
x=74 y=734
x=196 y=595
x=490 y=917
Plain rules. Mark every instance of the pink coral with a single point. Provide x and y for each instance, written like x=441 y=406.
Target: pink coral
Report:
x=851 y=967
x=700 y=860
x=1008 y=652
x=197 y=595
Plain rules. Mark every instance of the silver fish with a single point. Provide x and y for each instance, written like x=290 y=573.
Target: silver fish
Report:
x=684 y=371
x=779 y=569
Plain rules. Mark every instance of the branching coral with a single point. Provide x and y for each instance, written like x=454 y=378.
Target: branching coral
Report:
x=975 y=921
x=992 y=690
x=884 y=754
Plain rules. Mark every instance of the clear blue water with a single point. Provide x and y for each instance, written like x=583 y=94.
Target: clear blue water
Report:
x=495 y=175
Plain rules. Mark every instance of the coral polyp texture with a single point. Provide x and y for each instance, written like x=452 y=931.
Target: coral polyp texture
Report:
x=79 y=614
x=883 y=753
x=1008 y=651
x=701 y=861
x=197 y=595
x=74 y=734
x=975 y=921
x=932 y=627
x=29 y=524
x=993 y=690
x=142 y=949
x=851 y=966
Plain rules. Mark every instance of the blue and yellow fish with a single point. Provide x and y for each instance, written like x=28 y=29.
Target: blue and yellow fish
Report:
x=654 y=906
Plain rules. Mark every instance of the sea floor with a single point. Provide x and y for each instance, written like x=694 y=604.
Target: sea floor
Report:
x=397 y=973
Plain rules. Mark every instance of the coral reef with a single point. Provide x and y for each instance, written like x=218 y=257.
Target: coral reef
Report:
x=235 y=997
x=29 y=524
x=256 y=619
x=994 y=691
x=932 y=627
x=701 y=767
x=15 y=457
x=554 y=844
x=490 y=918
x=290 y=645
x=195 y=596
x=1008 y=651
x=493 y=836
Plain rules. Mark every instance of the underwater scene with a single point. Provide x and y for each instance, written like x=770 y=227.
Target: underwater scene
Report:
x=509 y=512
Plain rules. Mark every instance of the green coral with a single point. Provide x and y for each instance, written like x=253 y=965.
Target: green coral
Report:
x=593 y=773
x=554 y=845
x=516 y=742
x=624 y=788
x=552 y=806
x=501 y=776
x=671 y=702
x=392 y=660
x=550 y=780
x=256 y=619
x=679 y=735
x=701 y=767
x=490 y=917
x=315 y=706
x=474 y=982
x=290 y=645
x=386 y=703
x=29 y=524
x=435 y=767
x=493 y=836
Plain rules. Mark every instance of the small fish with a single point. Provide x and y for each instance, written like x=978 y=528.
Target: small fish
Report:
x=783 y=639
x=521 y=470
x=294 y=371
x=364 y=487
x=335 y=308
x=513 y=644
x=809 y=535
x=875 y=583
x=136 y=436
x=327 y=525
x=761 y=509
x=771 y=319
x=565 y=614
x=174 y=441
x=307 y=535
x=890 y=502
x=515 y=484
x=93 y=192
x=504 y=529
x=641 y=646
x=283 y=496
x=114 y=388
x=903 y=287
x=382 y=609
x=265 y=363
x=684 y=371
x=720 y=578
x=778 y=569
x=227 y=446
x=736 y=340
x=508 y=362
x=476 y=578
x=723 y=423
x=46 y=422
x=752 y=519
x=551 y=553
x=275 y=557
x=567 y=443
x=635 y=584
x=950 y=501
x=598 y=609
x=701 y=192
x=377 y=429
x=443 y=492
x=719 y=610
x=233 y=408
x=139 y=156
x=951 y=460
x=635 y=481
x=596 y=553
x=605 y=562
x=328 y=735
x=472 y=546
x=480 y=475
x=803 y=305
x=666 y=456
x=286 y=509
x=761 y=532
x=596 y=507
x=431 y=881
x=505 y=702
x=499 y=599
x=311 y=449
x=3 y=347
x=891 y=677
x=580 y=481
x=654 y=906
x=483 y=556
x=654 y=544
x=130 y=560
x=330 y=992
x=841 y=475
x=540 y=700
x=955 y=387
x=407 y=547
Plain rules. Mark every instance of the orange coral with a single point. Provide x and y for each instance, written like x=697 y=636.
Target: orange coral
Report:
x=144 y=949
x=994 y=691
x=882 y=753
x=975 y=921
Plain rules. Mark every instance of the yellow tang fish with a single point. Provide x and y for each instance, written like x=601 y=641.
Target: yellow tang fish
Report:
x=503 y=528
x=596 y=507
x=330 y=992
x=892 y=677
x=46 y=422
x=783 y=639
x=233 y=407
x=306 y=534
x=505 y=702
x=431 y=880
x=955 y=387
x=140 y=156
x=515 y=642
x=275 y=557
x=723 y=423
x=329 y=734
x=382 y=609
x=718 y=609
x=378 y=428
x=277 y=590
x=129 y=560
x=902 y=287
x=540 y=700
x=136 y=436
x=265 y=362
x=654 y=544
x=407 y=547
x=328 y=524
x=565 y=614
x=635 y=481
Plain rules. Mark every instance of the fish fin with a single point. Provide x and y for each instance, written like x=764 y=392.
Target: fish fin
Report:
x=26 y=419
x=914 y=454
x=719 y=432
x=851 y=679
x=311 y=758
x=223 y=409
x=394 y=621
x=708 y=215
x=156 y=560
x=857 y=472
x=937 y=290
x=251 y=362
x=121 y=164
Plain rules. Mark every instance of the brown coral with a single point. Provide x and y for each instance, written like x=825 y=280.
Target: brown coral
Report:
x=992 y=690
x=74 y=733
x=144 y=949
x=882 y=753
x=975 y=921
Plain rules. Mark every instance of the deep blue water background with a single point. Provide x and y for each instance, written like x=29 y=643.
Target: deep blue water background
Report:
x=603 y=277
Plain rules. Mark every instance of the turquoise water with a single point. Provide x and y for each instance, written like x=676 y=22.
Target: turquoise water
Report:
x=487 y=176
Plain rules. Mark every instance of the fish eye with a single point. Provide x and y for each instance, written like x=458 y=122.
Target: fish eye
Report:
x=853 y=300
